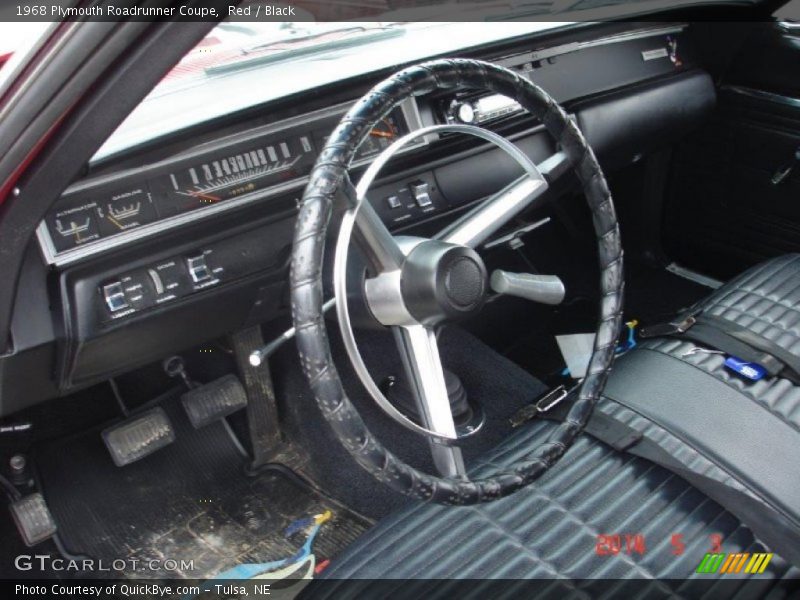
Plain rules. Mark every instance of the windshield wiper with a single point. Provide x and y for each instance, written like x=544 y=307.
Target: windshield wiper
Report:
x=309 y=44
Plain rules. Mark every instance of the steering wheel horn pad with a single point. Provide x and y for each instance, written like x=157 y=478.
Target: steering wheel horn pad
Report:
x=443 y=282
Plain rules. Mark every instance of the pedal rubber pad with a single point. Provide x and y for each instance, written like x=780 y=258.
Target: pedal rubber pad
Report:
x=212 y=401
x=33 y=519
x=138 y=436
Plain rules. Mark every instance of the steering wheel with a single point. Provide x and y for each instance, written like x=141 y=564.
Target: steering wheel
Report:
x=417 y=284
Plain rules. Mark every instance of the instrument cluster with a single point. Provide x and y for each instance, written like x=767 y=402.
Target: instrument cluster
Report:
x=94 y=215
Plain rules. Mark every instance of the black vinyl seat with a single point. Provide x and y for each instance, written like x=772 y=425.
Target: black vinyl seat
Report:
x=729 y=432
x=551 y=529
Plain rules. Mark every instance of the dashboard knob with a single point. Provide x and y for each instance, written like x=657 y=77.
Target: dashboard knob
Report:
x=464 y=112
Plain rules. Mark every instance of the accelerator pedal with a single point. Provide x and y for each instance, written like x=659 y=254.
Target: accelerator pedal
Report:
x=139 y=436
x=207 y=403
x=33 y=519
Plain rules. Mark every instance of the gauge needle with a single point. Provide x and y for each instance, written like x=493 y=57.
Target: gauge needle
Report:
x=383 y=134
x=203 y=196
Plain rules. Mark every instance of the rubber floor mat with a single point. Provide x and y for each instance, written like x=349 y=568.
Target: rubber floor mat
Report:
x=189 y=502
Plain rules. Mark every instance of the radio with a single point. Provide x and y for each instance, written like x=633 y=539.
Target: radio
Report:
x=481 y=110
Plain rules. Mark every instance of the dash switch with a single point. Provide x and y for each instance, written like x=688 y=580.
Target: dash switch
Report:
x=421 y=193
x=198 y=269
x=114 y=296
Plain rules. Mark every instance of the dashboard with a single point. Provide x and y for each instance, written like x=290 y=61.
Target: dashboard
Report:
x=100 y=214
x=171 y=246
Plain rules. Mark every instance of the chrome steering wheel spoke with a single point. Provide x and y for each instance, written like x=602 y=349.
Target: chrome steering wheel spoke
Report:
x=387 y=257
x=480 y=223
x=381 y=249
x=475 y=227
x=419 y=352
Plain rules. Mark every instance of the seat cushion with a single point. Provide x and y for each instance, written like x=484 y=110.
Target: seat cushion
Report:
x=738 y=432
x=717 y=426
x=742 y=434
x=552 y=529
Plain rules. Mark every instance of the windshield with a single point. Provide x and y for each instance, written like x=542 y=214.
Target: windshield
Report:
x=238 y=67
x=244 y=62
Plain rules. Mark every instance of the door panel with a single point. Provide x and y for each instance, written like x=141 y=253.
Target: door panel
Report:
x=728 y=208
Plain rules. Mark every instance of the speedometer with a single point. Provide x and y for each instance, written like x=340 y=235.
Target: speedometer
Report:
x=234 y=174
x=381 y=136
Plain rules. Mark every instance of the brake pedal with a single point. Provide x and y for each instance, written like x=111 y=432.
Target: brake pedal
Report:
x=33 y=519
x=139 y=436
x=207 y=403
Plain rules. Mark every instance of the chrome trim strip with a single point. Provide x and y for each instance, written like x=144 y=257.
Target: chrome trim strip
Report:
x=635 y=35
x=562 y=49
x=762 y=95
x=52 y=257
x=691 y=275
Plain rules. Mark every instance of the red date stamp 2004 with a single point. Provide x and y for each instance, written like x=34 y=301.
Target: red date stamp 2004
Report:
x=612 y=544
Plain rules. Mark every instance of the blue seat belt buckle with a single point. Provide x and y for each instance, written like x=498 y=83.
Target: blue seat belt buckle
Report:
x=748 y=370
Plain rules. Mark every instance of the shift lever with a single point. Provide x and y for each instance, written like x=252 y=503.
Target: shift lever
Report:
x=546 y=289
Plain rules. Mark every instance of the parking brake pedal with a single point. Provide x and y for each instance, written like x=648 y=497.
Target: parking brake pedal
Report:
x=138 y=436
x=33 y=519
x=207 y=403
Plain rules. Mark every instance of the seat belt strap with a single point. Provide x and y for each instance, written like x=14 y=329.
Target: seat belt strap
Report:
x=728 y=337
x=719 y=339
x=669 y=329
x=791 y=362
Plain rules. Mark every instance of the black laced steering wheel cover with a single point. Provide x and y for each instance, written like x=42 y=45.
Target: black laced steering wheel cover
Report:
x=327 y=181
